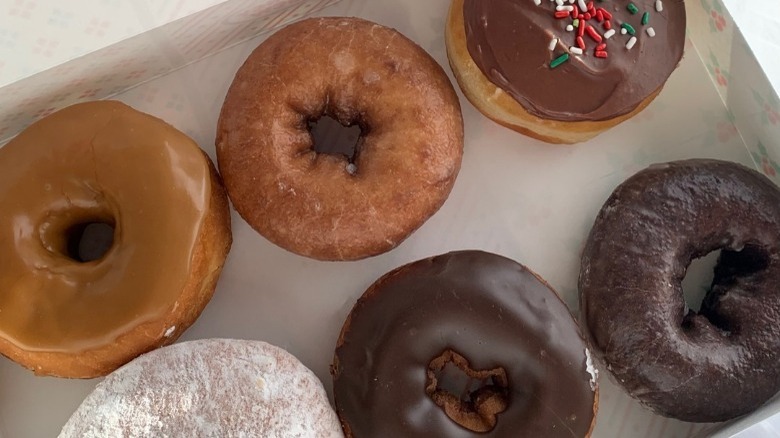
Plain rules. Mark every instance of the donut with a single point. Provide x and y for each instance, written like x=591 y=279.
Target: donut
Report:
x=317 y=200
x=724 y=360
x=208 y=388
x=461 y=344
x=77 y=308
x=518 y=62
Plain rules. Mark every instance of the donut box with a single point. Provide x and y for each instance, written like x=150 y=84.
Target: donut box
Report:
x=515 y=196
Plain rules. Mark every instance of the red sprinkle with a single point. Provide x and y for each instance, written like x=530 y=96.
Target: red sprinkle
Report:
x=601 y=54
x=581 y=17
x=587 y=16
x=561 y=14
x=608 y=25
x=580 y=43
x=599 y=16
x=590 y=6
x=581 y=29
x=576 y=12
x=593 y=34
x=606 y=13
x=601 y=47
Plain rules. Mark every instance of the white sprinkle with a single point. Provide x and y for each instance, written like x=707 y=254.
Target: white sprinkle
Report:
x=564 y=8
x=559 y=2
x=591 y=369
x=571 y=2
x=553 y=43
x=569 y=28
x=608 y=34
x=170 y=331
x=623 y=31
x=351 y=168
x=575 y=50
x=630 y=43
x=650 y=31
x=583 y=6
x=538 y=2
x=659 y=5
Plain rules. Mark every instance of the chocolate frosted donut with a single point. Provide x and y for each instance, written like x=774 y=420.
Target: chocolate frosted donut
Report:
x=462 y=344
x=564 y=73
x=332 y=202
x=711 y=365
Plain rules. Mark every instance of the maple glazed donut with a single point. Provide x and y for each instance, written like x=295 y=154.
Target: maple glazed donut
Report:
x=208 y=388
x=707 y=366
x=564 y=73
x=474 y=323
x=342 y=203
x=70 y=309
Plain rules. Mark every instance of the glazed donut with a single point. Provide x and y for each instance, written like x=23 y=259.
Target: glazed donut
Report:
x=67 y=311
x=471 y=322
x=516 y=62
x=706 y=366
x=208 y=388
x=339 y=206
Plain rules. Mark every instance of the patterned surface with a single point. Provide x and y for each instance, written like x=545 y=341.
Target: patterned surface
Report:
x=118 y=66
x=515 y=196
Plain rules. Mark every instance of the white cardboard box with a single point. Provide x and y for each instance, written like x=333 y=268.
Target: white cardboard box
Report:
x=514 y=196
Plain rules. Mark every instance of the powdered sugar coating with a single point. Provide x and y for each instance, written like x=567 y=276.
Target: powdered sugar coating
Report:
x=208 y=388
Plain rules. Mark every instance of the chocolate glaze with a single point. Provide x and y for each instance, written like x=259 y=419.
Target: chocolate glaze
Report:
x=508 y=40
x=489 y=309
x=724 y=361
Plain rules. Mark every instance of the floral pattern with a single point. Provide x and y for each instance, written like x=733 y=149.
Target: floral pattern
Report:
x=770 y=107
x=765 y=163
x=715 y=10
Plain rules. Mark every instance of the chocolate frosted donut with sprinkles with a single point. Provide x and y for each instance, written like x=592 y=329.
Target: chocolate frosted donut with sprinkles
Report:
x=564 y=71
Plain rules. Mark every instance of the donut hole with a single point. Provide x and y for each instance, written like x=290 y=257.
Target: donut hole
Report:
x=89 y=241
x=331 y=137
x=709 y=277
x=471 y=398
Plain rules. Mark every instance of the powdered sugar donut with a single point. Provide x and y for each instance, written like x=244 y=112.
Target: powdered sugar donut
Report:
x=208 y=388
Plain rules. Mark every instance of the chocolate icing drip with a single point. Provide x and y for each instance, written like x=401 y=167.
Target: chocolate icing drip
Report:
x=494 y=313
x=508 y=40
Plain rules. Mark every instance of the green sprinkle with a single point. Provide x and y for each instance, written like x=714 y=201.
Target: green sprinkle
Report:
x=559 y=60
x=632 y=8
x=645 y=18
x=576 y=23
x=629 y=28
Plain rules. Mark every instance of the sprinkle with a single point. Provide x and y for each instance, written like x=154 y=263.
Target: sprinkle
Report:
x=575 y=11
x=645 y=18
x=575 y=50
x=351 y=168
x=583 y=6
x=559 y=2
x=561 y=14
x=593 y=34
x=601 y=47
x=559 y=60
x=630 y=43
x=601 y=54
x=581 y=29
x=588 y=16
x=606 y=13
x=650 y=32
x=575 y=23
x=632 y=8
x=608 y=34
x=591 y=8
x=569 y=28
x=599 y=16
x=580 y=43
x=623 y=31
x=566 y=8
x=608 y=25
x=659 y=5
x=537 y=2
x=553 y=43
x=629 y=28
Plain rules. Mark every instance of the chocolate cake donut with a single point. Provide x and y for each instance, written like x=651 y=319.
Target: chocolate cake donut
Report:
x=564 y=73
x=724 y=360
x=462 y=344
